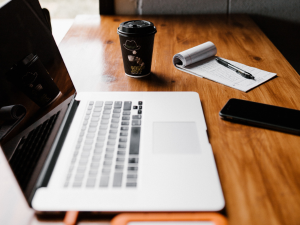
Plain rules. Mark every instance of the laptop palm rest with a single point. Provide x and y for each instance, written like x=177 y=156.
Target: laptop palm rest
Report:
x=175 y=137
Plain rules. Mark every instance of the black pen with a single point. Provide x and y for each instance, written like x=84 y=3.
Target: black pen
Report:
x=241 y=72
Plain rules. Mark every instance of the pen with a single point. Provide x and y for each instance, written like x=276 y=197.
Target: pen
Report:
x=239 y=71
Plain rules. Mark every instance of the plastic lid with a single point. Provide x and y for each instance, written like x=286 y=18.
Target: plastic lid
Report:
x=137 y=27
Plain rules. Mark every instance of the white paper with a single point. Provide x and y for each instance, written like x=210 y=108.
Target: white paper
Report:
x=200 y=61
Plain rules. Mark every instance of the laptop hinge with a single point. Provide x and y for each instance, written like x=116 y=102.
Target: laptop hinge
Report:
x=52 y=157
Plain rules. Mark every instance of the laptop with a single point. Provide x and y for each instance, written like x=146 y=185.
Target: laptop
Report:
x=102 y=151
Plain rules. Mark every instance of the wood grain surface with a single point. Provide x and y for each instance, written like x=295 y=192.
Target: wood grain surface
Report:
x=259 y=168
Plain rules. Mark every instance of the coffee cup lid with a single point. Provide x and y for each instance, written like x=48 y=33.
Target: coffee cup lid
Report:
x=137 y=27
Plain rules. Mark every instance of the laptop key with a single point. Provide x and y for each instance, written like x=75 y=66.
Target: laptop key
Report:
x=109 y=149
x=98 y=152
x=92 y=130
x=97 y=109
x=132 y=168
x=113 y=131
x=133 y=160
x=93 y=172
x=104 y=121
x=91 y=103
x=85 y=154
x=90 y=135
x=131 y=175
x=98 y=103
x=115 y=120
x=96 y=157
x=102 y=133
x=118 y=104
x=117 y=181
x=79 y=176
x=104 y=181
x=127 y=105
x=96 y=114
x=114 y=125
x=116 y=110
x=100 y=138
x=99 y=144
x=103 y=126
x=119 y=167
x=77 y=184
x=105 y=116
x=107 y=162
x=121 y=153
x=112 y=136
x=87 y=147
x=134 y=184
x=94 y=165
x=81 y=169
x=93 y=124
x=91 y=182
x=107 y=111
x=83 y=160
x=135 y=141
x=124 y=134
x=123 y=139
x=106 y=170
x=126 y=113
x=116 y=115
x=107 y=107
x=136 y=122
x=111 y=142
x=136 y=116
x=88 y=141
x=109 y=156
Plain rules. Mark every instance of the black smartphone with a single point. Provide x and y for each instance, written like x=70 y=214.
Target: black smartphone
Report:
x=262 y=115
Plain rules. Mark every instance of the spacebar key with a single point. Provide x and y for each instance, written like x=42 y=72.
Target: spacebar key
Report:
x=135 y=141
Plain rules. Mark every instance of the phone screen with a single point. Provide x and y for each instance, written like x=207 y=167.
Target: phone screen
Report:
x=263 y=115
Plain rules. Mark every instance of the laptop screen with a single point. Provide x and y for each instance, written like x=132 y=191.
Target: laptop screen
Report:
x=33 y=76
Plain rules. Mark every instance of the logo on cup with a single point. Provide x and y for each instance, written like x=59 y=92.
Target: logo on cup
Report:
x=131 y=58
x=29 y=78
x=131 y=45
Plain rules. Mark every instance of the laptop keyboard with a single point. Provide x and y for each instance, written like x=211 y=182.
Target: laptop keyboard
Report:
x=29 y=151
x=107 y=150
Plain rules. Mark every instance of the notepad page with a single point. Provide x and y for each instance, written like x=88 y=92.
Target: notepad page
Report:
x=214 y=71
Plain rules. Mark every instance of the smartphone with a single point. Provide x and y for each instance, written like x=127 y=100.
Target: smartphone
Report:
x=262 y=115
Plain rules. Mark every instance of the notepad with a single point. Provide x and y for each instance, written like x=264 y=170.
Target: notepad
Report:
x=200 y=61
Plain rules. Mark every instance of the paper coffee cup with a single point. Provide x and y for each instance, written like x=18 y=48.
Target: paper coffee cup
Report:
x=136 y=40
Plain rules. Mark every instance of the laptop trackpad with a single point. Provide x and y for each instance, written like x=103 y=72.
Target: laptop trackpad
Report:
x=175 y=137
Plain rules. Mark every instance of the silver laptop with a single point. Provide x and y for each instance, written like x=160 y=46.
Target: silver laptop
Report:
x=103 y=151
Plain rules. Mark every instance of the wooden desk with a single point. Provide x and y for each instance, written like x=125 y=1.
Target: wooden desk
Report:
x=259 y=169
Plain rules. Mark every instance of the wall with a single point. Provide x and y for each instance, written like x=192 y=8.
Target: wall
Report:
x=182 y=6
x=279 y=19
